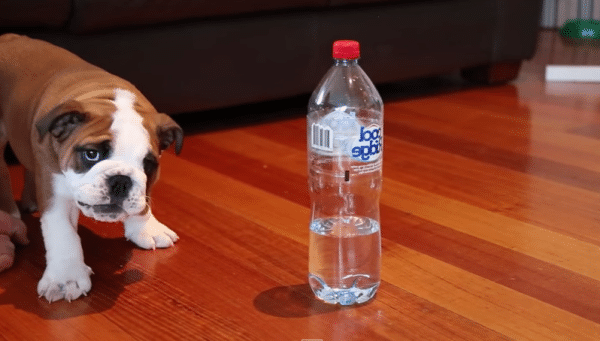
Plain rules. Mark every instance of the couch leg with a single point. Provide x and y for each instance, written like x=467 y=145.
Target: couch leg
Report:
x=497 y=73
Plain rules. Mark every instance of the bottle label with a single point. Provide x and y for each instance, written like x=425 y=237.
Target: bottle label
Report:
x=367 y=146
x=341 y=134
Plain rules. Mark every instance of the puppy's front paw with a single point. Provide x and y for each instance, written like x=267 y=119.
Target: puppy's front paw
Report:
x=67 y=281
x=151 y=235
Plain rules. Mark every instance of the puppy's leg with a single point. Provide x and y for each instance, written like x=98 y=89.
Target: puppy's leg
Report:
x=148 y=233
x=28 y=203
x=66 y=275
x=7 y=201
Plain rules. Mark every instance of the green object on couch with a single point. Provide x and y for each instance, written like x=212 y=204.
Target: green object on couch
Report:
x=581 y=29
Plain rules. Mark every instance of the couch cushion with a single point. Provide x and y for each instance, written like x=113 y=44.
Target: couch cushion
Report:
x=34 y=13
x=96 y=15
x=334 y=3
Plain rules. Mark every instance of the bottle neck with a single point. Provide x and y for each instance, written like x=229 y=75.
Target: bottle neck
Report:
x=345 y=62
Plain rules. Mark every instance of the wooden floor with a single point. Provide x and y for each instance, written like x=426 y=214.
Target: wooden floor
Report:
x=490 y=222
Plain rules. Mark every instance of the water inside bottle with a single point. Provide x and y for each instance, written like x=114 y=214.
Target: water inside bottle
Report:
x=344 y=262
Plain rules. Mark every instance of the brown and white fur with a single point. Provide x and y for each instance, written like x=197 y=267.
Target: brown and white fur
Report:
x=90 y=142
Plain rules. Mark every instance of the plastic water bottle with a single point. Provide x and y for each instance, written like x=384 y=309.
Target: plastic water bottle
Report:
x=345 y=149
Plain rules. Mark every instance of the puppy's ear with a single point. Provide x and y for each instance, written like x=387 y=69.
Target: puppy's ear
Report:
x=61 y=121
x=169 y=132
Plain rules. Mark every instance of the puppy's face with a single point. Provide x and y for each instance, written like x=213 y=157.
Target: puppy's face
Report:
x=108 y=149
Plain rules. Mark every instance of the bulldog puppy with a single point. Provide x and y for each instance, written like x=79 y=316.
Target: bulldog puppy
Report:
x=90 y=142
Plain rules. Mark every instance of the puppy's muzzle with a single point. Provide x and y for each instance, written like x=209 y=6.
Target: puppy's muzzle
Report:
x=119 y=187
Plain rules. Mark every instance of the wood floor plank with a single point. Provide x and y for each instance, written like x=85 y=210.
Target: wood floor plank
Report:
x=555 y=206
x=537 y=242
x=286 y=218
x=496 y=128
x=546 y=282
x=540 y=167
x=496 y=307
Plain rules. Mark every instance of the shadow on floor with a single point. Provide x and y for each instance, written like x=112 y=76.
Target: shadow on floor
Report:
x=294 y=301
x=19 y=283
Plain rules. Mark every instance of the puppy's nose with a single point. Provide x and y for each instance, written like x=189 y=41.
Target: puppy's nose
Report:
x=119 y=186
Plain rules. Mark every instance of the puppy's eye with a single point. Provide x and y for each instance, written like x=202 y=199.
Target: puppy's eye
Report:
x=91 y=155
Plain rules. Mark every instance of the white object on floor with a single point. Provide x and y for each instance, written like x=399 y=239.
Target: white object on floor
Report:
x=572 y=73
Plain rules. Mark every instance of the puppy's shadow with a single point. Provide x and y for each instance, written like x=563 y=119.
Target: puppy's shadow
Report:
x=107 y=256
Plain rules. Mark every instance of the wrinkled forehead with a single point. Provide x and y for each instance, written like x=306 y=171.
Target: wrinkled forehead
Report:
x=131 y=138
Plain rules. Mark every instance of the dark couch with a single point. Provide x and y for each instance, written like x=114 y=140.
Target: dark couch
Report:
x=189 y=56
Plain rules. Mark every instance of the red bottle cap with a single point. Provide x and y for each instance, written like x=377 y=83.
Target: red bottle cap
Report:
x=346 y=49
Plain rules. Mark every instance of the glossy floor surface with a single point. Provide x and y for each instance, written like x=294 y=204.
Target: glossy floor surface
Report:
x=490 y=218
